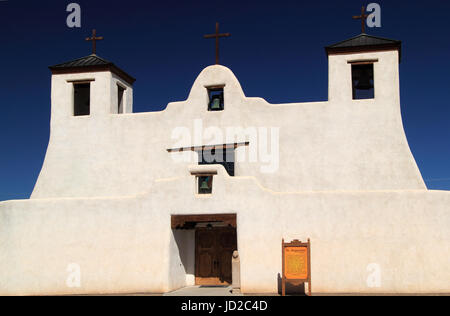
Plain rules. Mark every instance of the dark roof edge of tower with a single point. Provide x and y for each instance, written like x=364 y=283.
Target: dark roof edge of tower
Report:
x=91 y=63
x=365 y=43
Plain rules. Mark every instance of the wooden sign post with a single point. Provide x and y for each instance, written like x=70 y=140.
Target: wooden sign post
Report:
x=296 y=260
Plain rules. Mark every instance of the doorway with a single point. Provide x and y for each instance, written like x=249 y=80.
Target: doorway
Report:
x=214 y=248
x=210 y=244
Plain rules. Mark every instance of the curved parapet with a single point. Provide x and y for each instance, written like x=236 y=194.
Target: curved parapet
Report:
x=341 y=144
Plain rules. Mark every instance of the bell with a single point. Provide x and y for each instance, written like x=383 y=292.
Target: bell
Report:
x=204 y=185
x=365 y=81
x=216 y=102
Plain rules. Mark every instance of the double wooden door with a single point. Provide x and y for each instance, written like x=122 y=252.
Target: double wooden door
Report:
x=213 y=252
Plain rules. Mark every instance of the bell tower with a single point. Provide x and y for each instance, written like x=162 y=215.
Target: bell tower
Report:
x=364 y=67
x=90 y=87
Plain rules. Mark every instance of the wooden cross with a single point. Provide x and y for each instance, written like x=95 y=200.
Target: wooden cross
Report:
x=94 y=40
x=217 y=36
x=363 y=18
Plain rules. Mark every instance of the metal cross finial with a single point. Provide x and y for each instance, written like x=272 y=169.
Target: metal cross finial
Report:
x=94 y=40
x=217 y=36
x=363 y=18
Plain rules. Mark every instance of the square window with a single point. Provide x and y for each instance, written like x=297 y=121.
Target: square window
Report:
x=216 y=99
x=363 y=82
x=82 y=99
x=204 y=184
x=224 y=157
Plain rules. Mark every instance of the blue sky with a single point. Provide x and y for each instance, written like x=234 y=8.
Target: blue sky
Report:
x=276 y=51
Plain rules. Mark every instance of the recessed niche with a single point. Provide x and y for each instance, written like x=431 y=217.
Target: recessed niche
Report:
x=81 y=99
x=363 y=81
x=216 y=100
x=204 y=184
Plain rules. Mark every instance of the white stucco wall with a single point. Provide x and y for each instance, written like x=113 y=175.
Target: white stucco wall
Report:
x=337 y=145
x=125 y=245
x=346 y=180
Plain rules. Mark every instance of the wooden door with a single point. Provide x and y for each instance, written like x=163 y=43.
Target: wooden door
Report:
x=213 y=252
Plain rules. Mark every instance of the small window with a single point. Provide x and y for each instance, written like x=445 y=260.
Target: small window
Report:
x=224 y=157
x=82 y=99
x=120 y=99
x=205 y=184
x=216 y=99
x=363 y=82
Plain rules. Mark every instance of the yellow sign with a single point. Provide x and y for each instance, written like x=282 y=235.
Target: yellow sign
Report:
x=296 y=263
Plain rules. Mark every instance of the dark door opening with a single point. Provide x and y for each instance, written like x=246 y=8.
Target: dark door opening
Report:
x=214 y=248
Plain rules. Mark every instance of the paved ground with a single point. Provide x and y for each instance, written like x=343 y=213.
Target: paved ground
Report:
x=200 y=290
x=197 y=291
x=226 y=291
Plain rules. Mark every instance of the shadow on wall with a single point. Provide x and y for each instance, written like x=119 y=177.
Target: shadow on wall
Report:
x=185 y=241
x=291 y=289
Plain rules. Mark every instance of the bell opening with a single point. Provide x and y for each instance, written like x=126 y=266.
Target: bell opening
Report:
x=363 y=82
x=216 y=99
x=204 y=184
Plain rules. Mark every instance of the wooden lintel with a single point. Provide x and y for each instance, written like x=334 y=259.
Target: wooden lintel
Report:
x=189 y=221
x=203 y=173
x=208 y=147
x=80 y=81
x=215 y=87
x=362 y=61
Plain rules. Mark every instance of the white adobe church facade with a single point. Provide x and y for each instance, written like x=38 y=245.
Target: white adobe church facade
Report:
x=127 y=198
